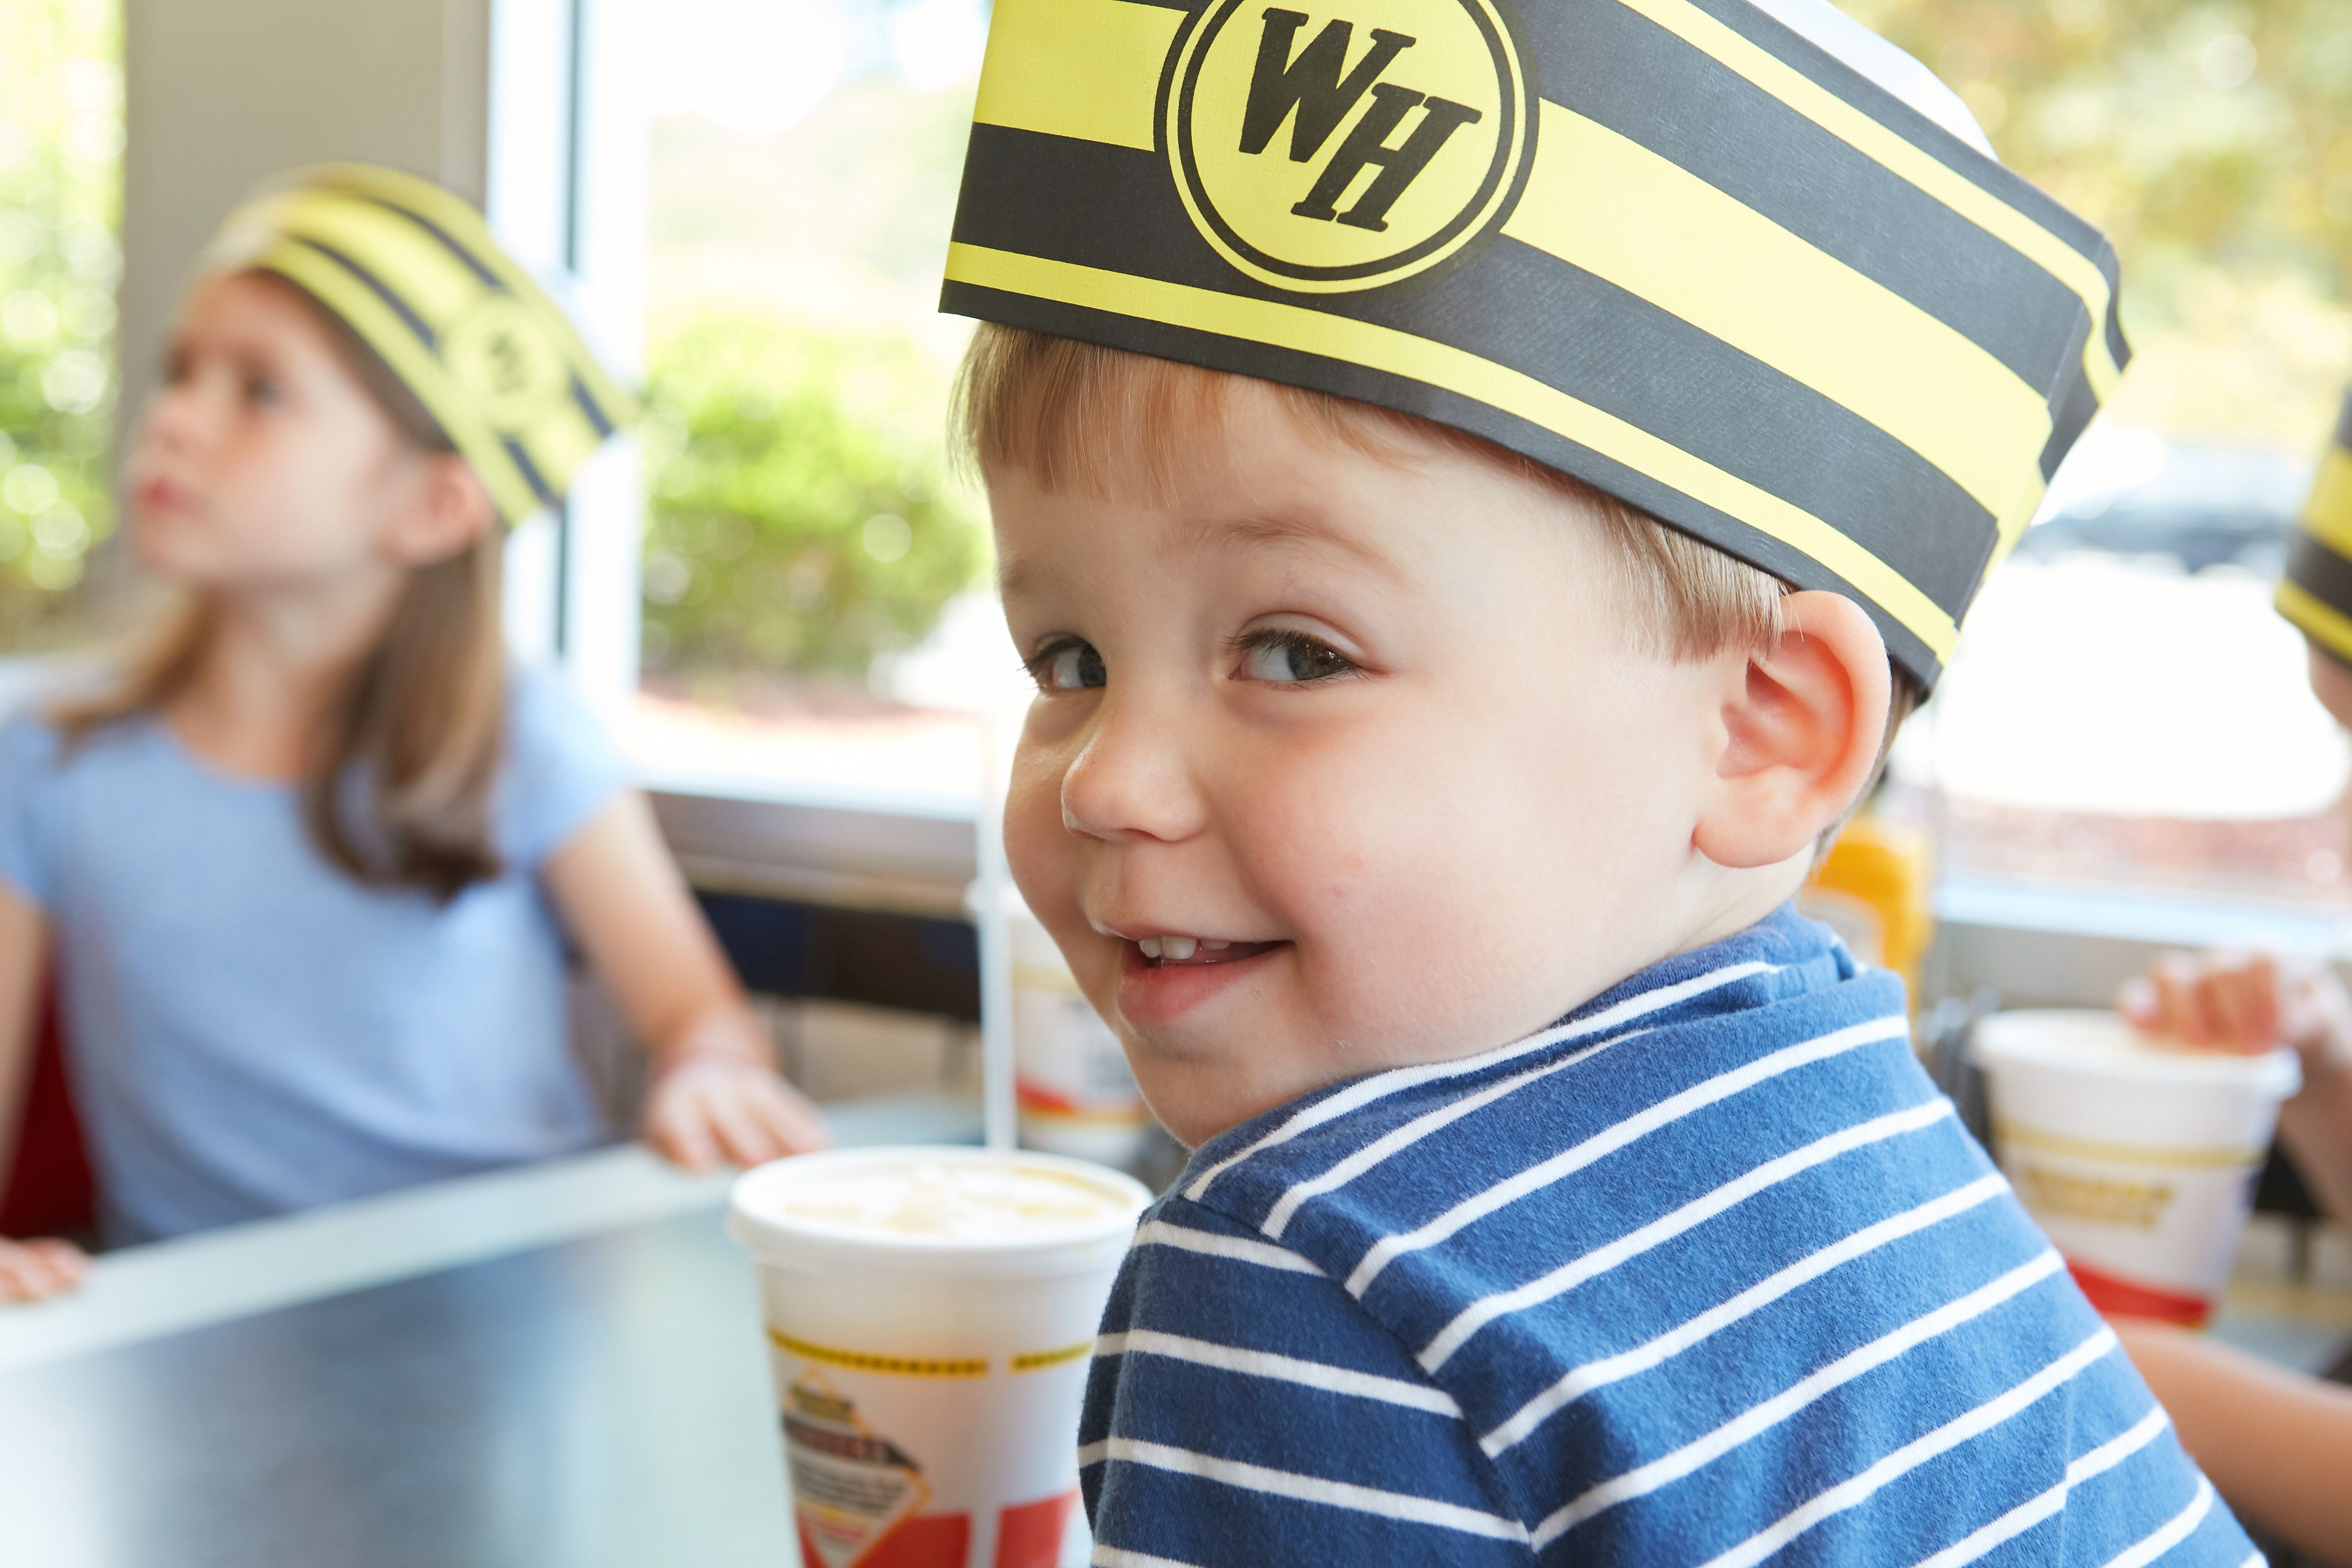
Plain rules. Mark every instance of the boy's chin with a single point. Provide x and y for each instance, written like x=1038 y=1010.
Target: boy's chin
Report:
x=1200 y=1094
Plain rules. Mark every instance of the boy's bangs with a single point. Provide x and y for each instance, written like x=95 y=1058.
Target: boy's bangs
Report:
x=1078 y=417
x=1103 y=421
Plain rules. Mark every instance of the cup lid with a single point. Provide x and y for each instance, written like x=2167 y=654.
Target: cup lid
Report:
x=922 y=1205
x=2095 y=1041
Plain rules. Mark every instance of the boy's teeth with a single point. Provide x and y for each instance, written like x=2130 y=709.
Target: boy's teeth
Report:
x=1214 y=946
x=1150 y=946
x=1179 y=948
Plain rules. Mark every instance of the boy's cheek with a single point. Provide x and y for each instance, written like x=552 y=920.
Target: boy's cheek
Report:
x=1048 y=867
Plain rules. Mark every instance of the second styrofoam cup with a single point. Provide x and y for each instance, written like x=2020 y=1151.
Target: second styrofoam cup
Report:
x=2137 y=1160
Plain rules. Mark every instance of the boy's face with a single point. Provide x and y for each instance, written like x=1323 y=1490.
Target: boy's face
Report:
x=1359 y=745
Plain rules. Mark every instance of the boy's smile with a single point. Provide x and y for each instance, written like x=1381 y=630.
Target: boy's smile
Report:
x=1342 y=760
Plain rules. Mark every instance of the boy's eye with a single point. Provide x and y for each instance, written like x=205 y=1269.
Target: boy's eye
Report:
x=1291 y=658
x=261 y=392
x=1072 y=666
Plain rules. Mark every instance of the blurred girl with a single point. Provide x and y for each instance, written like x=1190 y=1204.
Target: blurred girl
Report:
x=2278 y=1445
x=300 y=865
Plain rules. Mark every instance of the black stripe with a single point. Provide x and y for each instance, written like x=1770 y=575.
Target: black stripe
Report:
x=2072 y=406
x=547 y=493
x=399 y=307
x=2344 y=424
x=1349 y=380
x=1038 y=194
x=473 y=263
x=1801 y=54
x=2319 y=572
x=589 y=406
x=1612 y=65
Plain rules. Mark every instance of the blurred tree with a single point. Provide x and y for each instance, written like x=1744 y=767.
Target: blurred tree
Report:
x=800 y=515
x=61 y=167
x=2212 y=141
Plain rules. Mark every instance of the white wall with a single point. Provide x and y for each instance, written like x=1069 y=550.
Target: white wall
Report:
x=219 y=94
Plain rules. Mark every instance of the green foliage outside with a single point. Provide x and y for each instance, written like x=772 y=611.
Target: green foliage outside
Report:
x=2212 y=141
x=801 y=515
x=60 y=156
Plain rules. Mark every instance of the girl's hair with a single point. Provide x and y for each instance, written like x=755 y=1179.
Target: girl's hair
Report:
x=400 y=793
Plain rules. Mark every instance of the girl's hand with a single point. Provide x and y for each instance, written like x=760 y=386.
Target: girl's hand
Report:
x=2246 y=1003
x=704 y=1107
x=30 y=1270
x=716 y=1094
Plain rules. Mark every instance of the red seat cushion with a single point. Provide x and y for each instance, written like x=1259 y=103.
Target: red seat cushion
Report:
x=50 y=1191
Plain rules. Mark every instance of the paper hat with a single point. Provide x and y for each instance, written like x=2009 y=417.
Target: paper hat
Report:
x=1672 y=247
x=2317 y=592
x=414 y=272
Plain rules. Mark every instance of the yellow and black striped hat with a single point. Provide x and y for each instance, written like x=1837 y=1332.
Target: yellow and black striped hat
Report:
x=1672 y=247
x=414 y=270
x=2317 y=592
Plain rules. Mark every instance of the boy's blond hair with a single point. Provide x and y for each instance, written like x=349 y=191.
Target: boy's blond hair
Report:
x=1079 y=415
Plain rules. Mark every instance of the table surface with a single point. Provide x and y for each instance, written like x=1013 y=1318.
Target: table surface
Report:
x=560 y=1366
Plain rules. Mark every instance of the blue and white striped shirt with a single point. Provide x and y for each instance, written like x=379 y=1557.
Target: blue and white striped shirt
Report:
x=1707 y=1273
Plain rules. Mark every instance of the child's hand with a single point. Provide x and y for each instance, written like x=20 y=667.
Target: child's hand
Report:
x=2239 y=1002
x=32 y=1269
x=705 y=1107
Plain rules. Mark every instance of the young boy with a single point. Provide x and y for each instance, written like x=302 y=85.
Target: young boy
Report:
x=1474 y=489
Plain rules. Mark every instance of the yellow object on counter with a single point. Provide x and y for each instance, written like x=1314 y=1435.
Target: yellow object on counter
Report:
x=1873 y=890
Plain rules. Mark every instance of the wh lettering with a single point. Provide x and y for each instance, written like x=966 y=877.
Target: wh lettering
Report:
x=1315 y=92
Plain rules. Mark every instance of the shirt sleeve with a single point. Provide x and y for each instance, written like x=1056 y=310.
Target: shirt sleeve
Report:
x=1241 y=1409
x=562 y=768
x=29 y=753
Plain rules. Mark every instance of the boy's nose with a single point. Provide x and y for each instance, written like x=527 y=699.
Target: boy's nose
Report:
x=1132 y=777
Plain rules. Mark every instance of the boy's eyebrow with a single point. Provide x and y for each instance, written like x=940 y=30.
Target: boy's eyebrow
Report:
x=1274 y=530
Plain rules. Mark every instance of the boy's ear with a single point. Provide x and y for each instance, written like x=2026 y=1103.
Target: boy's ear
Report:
x=1802 y=725
x=451 y=509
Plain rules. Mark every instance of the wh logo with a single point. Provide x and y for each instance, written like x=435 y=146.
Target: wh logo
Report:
x=1406 y=125
x=1316 y=92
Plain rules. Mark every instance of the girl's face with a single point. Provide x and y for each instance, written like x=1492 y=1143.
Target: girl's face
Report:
x=264 y=463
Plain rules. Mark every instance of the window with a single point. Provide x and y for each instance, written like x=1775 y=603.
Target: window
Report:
x=814 y=575
x=2125 y=711
x=60 y=181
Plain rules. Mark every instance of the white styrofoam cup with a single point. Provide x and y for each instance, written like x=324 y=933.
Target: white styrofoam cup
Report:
x=929 y=1313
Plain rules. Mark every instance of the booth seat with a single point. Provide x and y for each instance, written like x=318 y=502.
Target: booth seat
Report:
x=48 y=1190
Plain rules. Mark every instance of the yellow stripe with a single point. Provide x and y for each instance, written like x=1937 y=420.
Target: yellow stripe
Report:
x=2327 y=515
x=2014 y=526
x=415 y=265
x=1032 y=1361
x=891 y=1366
x=1084 y=68
x=2316 y=618
x=418 y=370
x=2125 y=1153
x=1039 y=977
x=1858 y=129
x=1458 y=371
x=1786 y=302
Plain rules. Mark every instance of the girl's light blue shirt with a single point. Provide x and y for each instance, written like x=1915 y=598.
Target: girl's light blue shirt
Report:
x=252 y=1032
